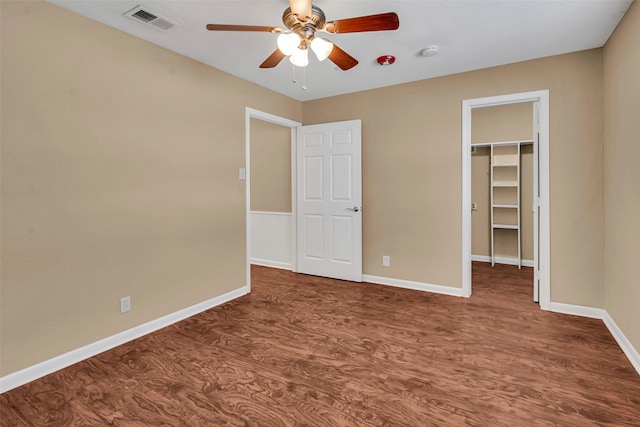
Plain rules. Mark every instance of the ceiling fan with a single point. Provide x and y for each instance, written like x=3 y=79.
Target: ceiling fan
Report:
x=302 y=21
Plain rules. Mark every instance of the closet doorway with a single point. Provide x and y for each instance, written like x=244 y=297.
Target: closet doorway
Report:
x=502 y=184
x=505 y=186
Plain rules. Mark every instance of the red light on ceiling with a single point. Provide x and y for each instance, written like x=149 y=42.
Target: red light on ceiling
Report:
x=386 y=59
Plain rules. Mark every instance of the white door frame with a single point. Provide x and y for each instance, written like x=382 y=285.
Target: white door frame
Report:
x=544 y=267
x=251 y=113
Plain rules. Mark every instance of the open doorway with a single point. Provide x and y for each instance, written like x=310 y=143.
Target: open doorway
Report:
x=502 y=141
x=502 y=188
x=324 y=221
x=506 y=152
x=270 y=187
x=269 y=212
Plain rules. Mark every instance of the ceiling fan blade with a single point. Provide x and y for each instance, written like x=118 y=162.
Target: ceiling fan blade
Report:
x=342 y=59
x=224 y=27
x=273 y=60
x=380 y=22
x=301 y=7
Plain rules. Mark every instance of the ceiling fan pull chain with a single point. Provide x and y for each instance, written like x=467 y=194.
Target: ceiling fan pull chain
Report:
x=293 y=71
x=304 y=78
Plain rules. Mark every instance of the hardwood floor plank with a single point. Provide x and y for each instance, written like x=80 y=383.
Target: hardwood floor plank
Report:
x=308 y=351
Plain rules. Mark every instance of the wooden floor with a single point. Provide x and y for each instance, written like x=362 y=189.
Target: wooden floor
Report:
x=307 y=351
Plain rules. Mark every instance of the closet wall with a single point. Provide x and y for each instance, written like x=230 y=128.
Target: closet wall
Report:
x=494 y=124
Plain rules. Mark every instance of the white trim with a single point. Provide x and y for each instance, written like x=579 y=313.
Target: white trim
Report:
x=294 y=199
x=271 y=213
x=47 y=367
x=599 y=313
x=269 y=263
x=271 y=118
x=624 y=343
x=576 y=310
x=502 y=260
x=542 y=97
x=418 y=286
x=466 y=199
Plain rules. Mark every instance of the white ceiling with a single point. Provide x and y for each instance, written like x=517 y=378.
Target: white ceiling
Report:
x=471 y=34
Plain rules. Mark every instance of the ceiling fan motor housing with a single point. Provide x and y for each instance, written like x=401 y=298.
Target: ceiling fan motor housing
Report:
x=306 y=27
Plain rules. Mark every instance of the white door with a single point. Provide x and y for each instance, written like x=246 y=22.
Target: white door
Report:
x=329 y=200
x=536 y=203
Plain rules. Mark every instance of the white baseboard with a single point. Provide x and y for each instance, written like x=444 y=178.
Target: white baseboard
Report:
x=418 y=286
x=268 y=263
x=503 y=260
x=39 y=370
x=576 y=310
x=47 y=367
x=599 y=313
x=629 y=350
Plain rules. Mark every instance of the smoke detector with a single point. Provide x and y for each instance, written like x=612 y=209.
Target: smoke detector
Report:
x=386 y=59
x=429 y=51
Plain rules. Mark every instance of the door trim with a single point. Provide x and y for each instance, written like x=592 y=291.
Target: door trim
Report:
x=251 y=113
x=468 y=105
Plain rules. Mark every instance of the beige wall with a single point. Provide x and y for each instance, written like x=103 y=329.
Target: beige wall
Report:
x=119 y=177
x=495 y=124
x=412 y=170
x=502 y=123
x=270 y=167
x=622 y=174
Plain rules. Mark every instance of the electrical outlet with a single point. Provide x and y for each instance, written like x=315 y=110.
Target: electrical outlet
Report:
x=125 y=304
x=386 y=261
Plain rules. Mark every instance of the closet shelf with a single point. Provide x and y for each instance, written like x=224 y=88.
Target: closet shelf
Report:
x=505 y=204
x=506 y=226
x=492 y=144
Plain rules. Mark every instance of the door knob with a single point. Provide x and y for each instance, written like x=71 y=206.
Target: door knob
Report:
x=353 y=209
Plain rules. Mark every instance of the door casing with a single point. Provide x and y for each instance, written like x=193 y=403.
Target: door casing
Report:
x=544 y=260
x=251 y=113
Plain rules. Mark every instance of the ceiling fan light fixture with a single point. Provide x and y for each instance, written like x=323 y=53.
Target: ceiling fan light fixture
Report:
x=321 y=47
x=288 y=43
x=300 y=57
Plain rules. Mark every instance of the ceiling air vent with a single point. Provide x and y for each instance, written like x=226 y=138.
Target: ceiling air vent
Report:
x=151 y=19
